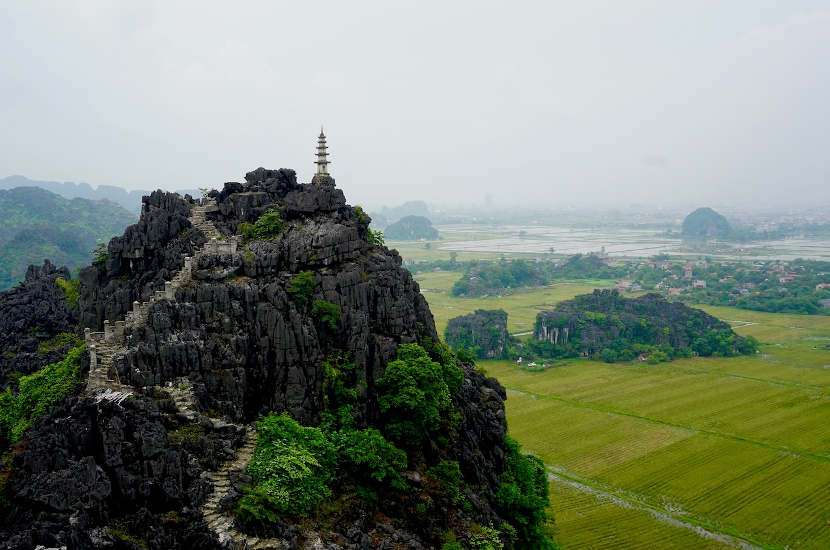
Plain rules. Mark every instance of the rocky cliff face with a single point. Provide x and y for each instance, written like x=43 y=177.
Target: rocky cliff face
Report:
x=483 y=333
x=33 y=313
x=145 y=462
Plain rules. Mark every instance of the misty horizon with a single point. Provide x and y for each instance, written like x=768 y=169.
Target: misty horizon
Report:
x=554 y=106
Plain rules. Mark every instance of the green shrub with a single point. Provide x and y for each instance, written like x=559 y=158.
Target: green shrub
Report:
x=375 y=237
x=100 y=256
x=59 y=342
x=339 y=397
x=448 y=473
x=414 y=398
x=485 y=538
x=189 y=436
x=657 y=356
x=291 y=470
x=608 y=355
x=522 y=497
x=327 y=312
x=361 y=215
x=443 y=355
x=37 y=393
x=71 y=290
x=269 y=226
x=301 y=287
x=369 y=458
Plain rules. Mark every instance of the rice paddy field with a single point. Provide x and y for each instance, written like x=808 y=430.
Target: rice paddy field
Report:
x=696 y=453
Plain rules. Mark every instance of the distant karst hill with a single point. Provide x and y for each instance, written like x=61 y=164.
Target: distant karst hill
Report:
x=606 y=325
x=705 y=223
x=411 y=228
x=482 y=333
x=36 y=224
x=127 y=198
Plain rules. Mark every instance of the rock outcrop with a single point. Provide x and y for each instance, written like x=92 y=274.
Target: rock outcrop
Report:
x=34 y=312
x=592 y=322
x=483 y=333
x=203 y=336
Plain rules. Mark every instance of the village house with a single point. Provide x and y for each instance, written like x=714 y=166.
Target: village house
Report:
x=822 y=286
x=699 y=283
x=674 y=291
x=624 y=284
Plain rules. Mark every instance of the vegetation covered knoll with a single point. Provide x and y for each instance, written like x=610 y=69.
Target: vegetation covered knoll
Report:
x=586 y=266
x=411 y=228
x=36 y=224
x=604 y=324
x=370 y=433
x=488 y=278
x=705 y=223
x=482 y=334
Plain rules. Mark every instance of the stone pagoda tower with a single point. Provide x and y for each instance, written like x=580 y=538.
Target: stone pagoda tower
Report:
x=322 y=176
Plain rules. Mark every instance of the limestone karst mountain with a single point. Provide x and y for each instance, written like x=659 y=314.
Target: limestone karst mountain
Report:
x=206 y=316
x=705 y=223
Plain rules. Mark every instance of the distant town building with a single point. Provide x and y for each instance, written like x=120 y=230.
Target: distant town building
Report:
x=674 y=291
x=624 y=284
x=822 y=286
x=699 y=283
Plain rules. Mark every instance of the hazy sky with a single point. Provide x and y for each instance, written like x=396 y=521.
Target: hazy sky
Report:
x=551 y=103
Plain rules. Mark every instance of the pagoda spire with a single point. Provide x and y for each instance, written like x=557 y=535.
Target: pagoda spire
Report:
x=322 y=175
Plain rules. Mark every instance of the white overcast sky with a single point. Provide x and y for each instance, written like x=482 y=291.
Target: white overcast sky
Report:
x=543 y=103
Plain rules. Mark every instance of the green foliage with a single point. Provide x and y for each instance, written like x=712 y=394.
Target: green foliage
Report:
x=339 y=395
x=301 y=288
x=327 y=312
x=466 y=356
x=586 y=266
x=37 y=224
x=361 y=215
x=189 y=436
x=100 y=256
x=485 y=538
x=487 y=278
x=269 y=226
x=608 y=355
x=411 y=228
x=448 y=473
x=36 y=394
x=369 y=458
x=522 y=497
x=414 y=398
x=59 y=342
x=291 y=470
x=375 y=237
x=70 y=290
x=120 y=530
x=658 y=356
x=450 y=371
x=607 y=326
x=482 y=333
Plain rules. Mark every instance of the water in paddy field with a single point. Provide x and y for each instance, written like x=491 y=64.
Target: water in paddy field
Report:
x=619 y=242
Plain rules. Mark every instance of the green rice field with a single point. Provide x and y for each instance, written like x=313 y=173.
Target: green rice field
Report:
x=697 y=453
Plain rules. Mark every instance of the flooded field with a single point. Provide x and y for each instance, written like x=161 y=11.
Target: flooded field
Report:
x=618 y=242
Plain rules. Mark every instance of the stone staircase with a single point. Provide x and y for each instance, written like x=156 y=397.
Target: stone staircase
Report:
x=222 y=524
x=103 y=383
x=104 y=346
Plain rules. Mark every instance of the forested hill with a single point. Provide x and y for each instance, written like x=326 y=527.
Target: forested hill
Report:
x=129 y=199
x=36 y=224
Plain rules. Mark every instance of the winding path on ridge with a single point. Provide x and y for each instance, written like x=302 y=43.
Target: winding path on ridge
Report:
x=103 y=348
